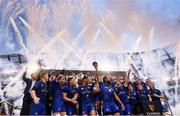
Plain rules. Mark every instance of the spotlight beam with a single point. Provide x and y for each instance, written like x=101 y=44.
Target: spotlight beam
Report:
x=73 y=50
x=90 y=45
x=52 y=41
x=32 y=30
x=108 y=31
x=76 y=40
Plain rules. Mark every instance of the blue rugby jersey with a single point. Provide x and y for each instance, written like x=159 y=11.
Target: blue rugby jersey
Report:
x=86 y=94
x=41 y=90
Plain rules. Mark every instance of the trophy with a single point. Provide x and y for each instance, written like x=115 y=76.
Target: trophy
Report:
x=95 y=65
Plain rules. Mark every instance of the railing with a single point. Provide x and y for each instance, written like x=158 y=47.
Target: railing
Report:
x=166 y=108
x=12 y=58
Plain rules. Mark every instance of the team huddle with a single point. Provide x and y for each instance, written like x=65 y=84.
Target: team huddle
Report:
x=87 y=96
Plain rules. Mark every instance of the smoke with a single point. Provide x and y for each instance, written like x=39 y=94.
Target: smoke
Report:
x=61 y=28
x=139 y=17
x=116 y=20
x=8 y=9
x=10 y=45
x=12 y=85
x=57 y=28
x=175 y=110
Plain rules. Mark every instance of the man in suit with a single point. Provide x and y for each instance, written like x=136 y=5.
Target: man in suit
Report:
x=27 y=97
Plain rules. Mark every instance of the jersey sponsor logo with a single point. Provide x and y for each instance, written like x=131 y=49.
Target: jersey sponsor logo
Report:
x=110 y=90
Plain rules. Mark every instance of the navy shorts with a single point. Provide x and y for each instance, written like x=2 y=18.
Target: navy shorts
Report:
x=110 y=107
x=58 y=106
x=128 y=109
x=71 y=109
x=87 y=108
x=37 y=109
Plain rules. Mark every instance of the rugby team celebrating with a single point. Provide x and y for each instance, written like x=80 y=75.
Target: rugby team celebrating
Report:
x=56 y=95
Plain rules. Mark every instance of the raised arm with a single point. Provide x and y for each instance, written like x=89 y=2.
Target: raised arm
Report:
x=24 y=76
x=128 y=73
x=95 y=65
x=96 y=88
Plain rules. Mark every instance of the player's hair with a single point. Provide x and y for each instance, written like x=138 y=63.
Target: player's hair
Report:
x=59 y=77
x=41 y=75
x=85 y=77
x=69 y=79
x=105 y=77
